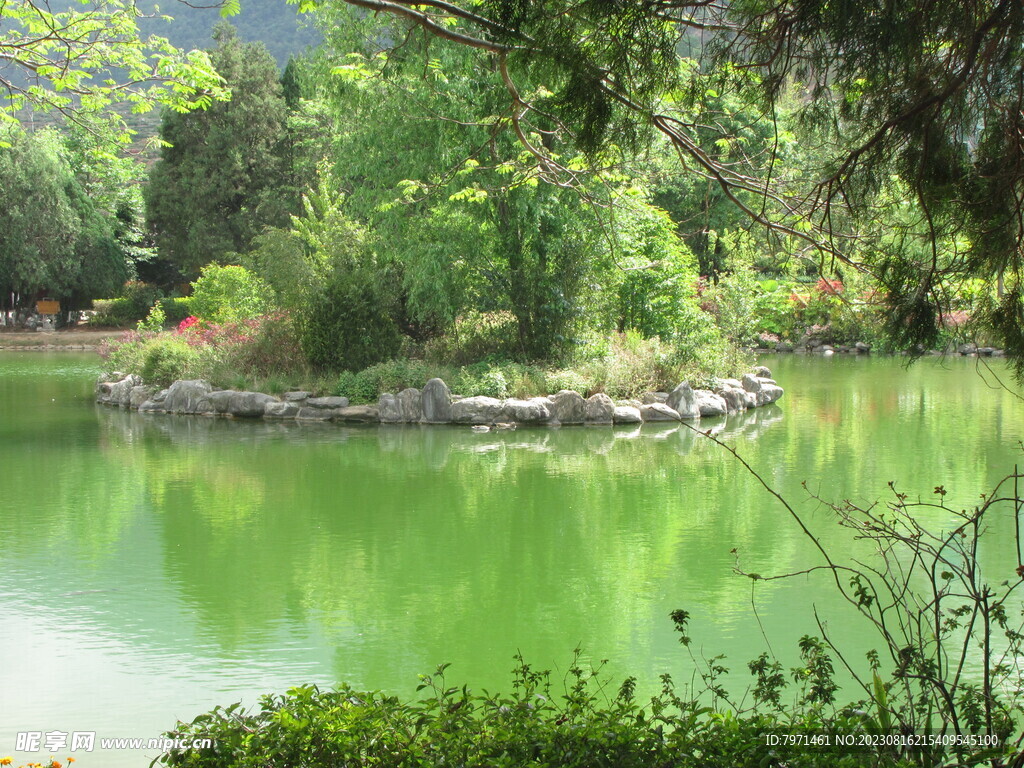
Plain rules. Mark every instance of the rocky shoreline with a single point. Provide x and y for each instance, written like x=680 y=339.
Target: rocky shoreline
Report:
x=435 y=404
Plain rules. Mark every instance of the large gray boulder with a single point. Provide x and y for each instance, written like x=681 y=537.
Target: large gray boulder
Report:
x=710 y=404
x=658 y=412
x=751 y=383
x=598 y=409
x=436 y=402
x=215 y=403
x=281 y=410
x=770 y=392
x=248 y=405
x=314 y=414
x=389 y=408
x=295 y=396
x=138 y=395
x=536 y=410
x=568 y=407
x=117 y=392
x=734 y=397
x=653 y=397
x=477 y=410
x=187 y=396
x=411 y=402
x=682 y=401
x=362 y=414
x=626 y=414
x=326 y=402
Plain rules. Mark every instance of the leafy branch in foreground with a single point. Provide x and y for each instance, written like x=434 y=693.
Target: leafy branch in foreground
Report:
x=83 y=62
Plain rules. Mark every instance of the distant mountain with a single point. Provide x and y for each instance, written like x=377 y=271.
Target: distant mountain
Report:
x=275 y=22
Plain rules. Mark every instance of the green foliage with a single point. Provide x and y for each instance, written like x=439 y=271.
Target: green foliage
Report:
x=154 y=321
x=475 y=336
x=349 y=323
x=64 y=58
x=586 y=724
x=54 y=239
x=222 y=176
x=175 y=309
x=228 y=294
x=166 y=359
x=132 y=306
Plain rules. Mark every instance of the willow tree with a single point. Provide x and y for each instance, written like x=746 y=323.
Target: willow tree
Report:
x=918 y=100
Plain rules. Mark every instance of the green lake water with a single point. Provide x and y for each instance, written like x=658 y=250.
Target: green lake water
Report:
x=152 y=567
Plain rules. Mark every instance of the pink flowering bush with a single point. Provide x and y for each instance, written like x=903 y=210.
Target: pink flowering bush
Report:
x=225 y=354
x=189 y=322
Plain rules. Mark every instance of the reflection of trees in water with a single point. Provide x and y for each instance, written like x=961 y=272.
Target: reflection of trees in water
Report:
x=424 y=537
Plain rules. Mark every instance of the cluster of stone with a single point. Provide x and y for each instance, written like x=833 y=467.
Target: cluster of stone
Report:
x=815 y=346
x=435 y=404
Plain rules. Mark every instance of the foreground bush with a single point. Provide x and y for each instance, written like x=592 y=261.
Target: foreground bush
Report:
x=261 y=353
x=585 y=726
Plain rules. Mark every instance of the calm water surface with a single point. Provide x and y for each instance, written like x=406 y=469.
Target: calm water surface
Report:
x=152 y=567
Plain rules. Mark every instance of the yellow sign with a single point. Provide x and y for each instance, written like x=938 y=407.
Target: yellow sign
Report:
x=46 y=307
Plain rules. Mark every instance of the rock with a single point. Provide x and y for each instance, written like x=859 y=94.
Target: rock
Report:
x=363 y=414
x=598 y=409
x=862 y=347
x=769 y=393
x=762 y=372
x=121 y=391
x=295 y=397
x=733 y=396
x=436 y=402
x=389 y=408
x=411 y=403
x=477 y=410
x=536 y=410
x=986 y=351
x=326 y=402
x=626 y=414
x=149 y=406
x=682 y=401
x=710 y=404
x=967 y=349
x=751 y=383
x=187 y=396
x=281 y=410
x=998 y=352
x=749 y=398
x=658 y=412
x=248 y=405
x=568 y=407
x=783 y=346
x=138 y=395
x=653 y=397
x=313 y=414
x=216 y=402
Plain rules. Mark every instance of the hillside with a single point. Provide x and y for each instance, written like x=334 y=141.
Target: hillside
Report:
x=276 y=23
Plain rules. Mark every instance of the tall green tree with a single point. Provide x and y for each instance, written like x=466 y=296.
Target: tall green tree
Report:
x=222 y=175
x=54 y=239
x=460 y=206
